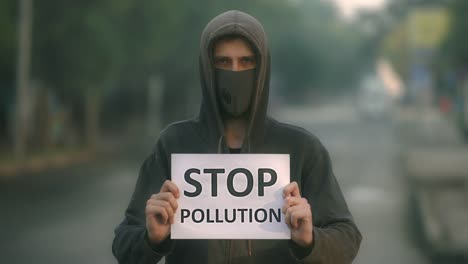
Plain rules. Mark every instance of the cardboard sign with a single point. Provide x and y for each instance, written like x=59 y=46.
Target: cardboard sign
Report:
x=230 y=196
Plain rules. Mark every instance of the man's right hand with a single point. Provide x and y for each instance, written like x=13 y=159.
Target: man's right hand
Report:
x=160 y=209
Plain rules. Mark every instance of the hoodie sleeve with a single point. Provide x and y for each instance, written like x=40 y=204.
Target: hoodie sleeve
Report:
x=131 y=243
x=336 y=237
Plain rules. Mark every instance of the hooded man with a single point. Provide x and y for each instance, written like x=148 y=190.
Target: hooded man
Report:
x=235 y=72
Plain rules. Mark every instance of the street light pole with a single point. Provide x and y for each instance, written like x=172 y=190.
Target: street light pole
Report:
x=22 y=76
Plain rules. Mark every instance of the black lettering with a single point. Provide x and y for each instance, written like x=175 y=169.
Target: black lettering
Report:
x=233 y=216
x=243 y=210
x=214 y=180
x=184 y=213
x=260 y=220
x=250 y=215
x=218 y=220
x=273 y=214
x=202 y=216
x=230 y=182
x=194 y=183
x=208 y=219
x=261 y=180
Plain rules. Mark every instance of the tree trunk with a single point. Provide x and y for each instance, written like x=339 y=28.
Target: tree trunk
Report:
x=92 y=129
x=43 y=119
x=22 y=77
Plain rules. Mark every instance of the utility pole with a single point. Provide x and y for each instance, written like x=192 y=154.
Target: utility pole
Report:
x=22 y=76
x=153 y=115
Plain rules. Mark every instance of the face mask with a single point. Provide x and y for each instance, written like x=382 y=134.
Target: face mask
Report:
x=234 y=90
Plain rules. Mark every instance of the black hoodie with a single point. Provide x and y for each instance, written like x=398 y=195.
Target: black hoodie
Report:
x=336 y=237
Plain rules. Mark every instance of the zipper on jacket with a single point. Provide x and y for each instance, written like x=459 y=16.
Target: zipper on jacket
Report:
x=249 y=245
x=229 y=257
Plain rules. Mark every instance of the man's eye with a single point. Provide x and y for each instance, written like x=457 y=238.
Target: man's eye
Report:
x=222 y=61
x=248 y=60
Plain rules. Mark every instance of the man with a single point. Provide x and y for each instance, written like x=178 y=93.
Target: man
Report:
x=235 y=72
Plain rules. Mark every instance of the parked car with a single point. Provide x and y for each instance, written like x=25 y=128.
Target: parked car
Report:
x=463 y=112
x=437 y=178
x=373 y=100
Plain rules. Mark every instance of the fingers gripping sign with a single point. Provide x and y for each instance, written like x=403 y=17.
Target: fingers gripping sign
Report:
x=160 y=210
x=298 y=215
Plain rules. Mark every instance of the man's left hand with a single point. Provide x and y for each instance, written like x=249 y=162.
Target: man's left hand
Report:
x=298 y=215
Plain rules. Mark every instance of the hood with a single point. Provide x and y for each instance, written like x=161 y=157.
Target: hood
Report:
x=234 y=23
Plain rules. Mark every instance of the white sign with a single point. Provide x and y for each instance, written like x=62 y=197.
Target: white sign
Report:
x=230 y=196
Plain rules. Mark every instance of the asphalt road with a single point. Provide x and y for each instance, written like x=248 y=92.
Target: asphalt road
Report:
x=65 y=215
x=68 y=215
x=366 y=156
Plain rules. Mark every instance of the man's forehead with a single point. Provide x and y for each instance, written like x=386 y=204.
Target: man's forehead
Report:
x=232 y=42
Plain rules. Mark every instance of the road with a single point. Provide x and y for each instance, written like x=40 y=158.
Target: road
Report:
x=366 y=161
x=68 y=215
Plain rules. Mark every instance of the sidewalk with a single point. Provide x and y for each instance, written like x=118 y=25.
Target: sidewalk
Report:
x=426 y=127
x=435 y=160
x=39 y=162
x=61 y=158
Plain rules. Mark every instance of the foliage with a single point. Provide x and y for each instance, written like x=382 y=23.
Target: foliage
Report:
x=455 y=48
x=113 y=47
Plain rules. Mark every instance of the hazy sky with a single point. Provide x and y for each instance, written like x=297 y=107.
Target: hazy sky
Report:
x=349 y=7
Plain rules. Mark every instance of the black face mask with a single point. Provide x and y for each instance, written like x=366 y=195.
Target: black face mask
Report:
x=234 y=90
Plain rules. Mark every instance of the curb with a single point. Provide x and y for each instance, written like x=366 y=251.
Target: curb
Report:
x=40 y=163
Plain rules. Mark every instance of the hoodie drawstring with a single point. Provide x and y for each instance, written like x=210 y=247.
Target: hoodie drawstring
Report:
x=220 y=141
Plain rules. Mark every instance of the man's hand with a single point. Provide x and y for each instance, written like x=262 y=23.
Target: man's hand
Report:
x=160 y=209
x=298 y=215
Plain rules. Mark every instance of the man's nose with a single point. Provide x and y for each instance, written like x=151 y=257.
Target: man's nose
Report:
x=235 y=65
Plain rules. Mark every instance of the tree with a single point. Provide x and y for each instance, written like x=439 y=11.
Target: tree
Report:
x=98 y=56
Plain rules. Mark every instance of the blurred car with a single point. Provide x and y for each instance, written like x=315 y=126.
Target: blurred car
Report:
x=437 y=178
x=463 y=116
x=373 y=100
